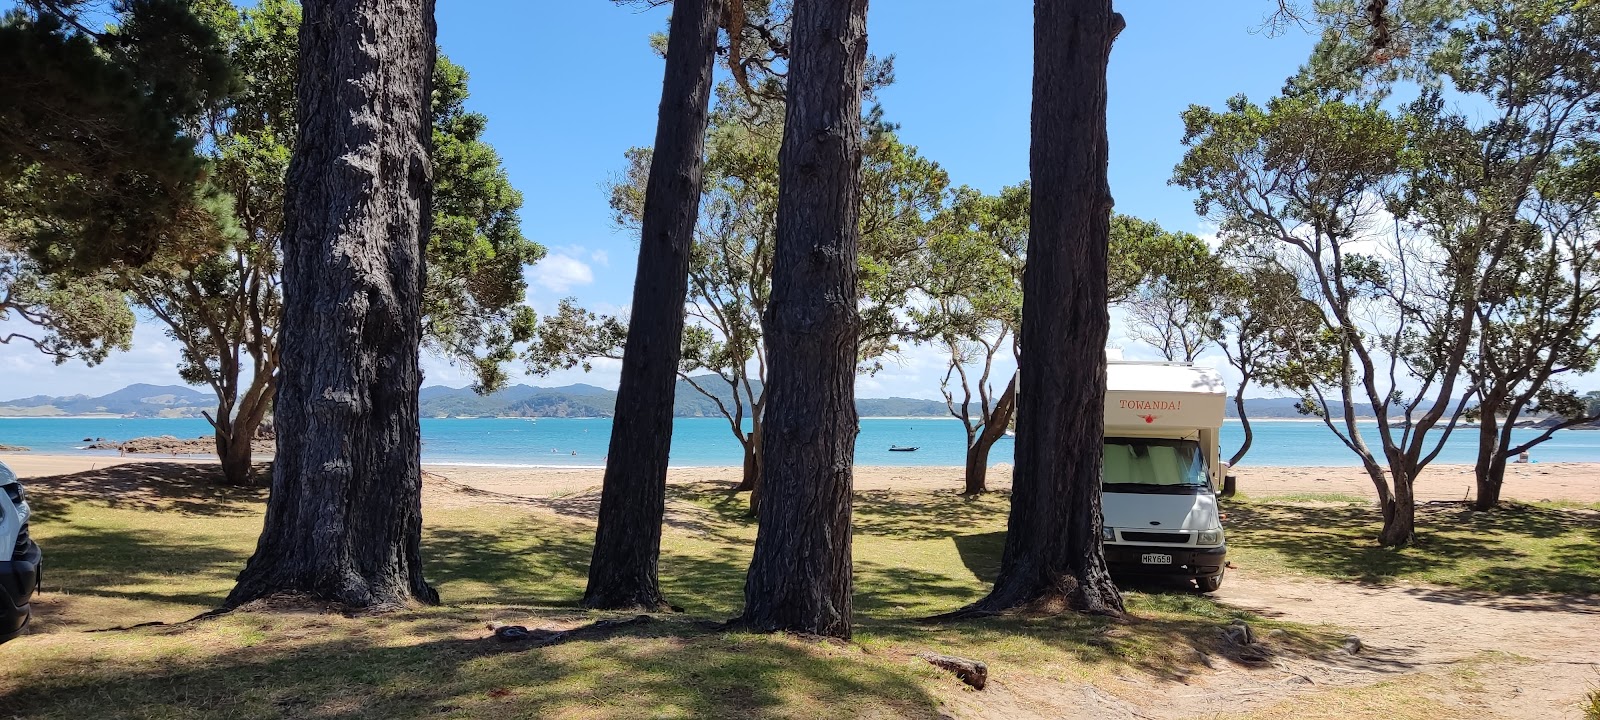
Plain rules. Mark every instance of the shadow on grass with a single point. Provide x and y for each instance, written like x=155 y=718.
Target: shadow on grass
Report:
x=1518 y=549
x=928 y=515
x=106 y=563
x=195 y=489
x=657 y=670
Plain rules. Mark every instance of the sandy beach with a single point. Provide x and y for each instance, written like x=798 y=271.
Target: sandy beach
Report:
x=1573 y=482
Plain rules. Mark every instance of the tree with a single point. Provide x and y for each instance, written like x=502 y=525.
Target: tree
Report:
x=96 y=166
x=83 y=318
x=972 y=283
x=1053 y=559
x=627 y=546
x=1489 y=187
x=1310 y=186
x=1523 y=179
x=800 y=576
x=1170 y=309
x=344 y=520
x=219 y=295
x=1260 y=322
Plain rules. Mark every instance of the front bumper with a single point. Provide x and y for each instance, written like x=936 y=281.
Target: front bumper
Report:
x=1187 y=562
x=19 y=578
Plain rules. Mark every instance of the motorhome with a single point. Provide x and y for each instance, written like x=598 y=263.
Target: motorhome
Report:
x=1163 y=473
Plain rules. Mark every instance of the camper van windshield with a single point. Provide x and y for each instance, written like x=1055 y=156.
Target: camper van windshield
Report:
x=1154 y=465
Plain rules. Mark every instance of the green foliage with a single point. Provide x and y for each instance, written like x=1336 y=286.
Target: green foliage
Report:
x=97 y=161
x=81 y=318
x=1171 y=309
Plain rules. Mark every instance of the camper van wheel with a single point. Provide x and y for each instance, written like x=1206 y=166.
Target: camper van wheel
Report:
x=1209 y=584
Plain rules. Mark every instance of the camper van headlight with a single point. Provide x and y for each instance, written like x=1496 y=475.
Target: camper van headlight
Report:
x=1209 y=537
x=1108 y=534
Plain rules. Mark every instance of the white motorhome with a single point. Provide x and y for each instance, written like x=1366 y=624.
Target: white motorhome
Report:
x=1163 y=471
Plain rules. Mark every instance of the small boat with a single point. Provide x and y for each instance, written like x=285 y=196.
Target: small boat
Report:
x=897 y=448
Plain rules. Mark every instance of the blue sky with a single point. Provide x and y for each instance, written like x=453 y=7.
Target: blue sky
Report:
x=569 y=85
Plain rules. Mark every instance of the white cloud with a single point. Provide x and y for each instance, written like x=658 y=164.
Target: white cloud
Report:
x=560 y=272
x=601 y=258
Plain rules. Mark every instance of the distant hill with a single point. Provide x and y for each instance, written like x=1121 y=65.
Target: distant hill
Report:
x=578 y=400
x=590 y=401
x=1284 y=408
x=139 y=400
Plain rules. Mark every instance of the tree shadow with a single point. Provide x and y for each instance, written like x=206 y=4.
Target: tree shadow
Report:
x=668 y=669
x=110 y=563
x=195 y=489
x=1513 y=550
x=926 y=515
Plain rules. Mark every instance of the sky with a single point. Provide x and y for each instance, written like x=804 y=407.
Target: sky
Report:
x=569 y=86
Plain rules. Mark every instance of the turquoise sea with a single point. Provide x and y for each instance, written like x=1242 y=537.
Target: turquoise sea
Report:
x=709 y=442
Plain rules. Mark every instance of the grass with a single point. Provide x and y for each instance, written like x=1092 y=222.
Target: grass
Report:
x=1543 y=547
x=166 y=549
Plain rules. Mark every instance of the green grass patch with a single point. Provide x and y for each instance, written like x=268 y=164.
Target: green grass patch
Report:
x=1515 y=549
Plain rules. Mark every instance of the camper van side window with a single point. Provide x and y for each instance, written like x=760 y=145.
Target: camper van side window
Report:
x=1154 y=465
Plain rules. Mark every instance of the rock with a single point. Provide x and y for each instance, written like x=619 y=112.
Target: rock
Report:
x=1239 y=633
x=1278 y=634
x=971 y=672
x=1255 y=653
x=1352 y=644
x=510 y=633
x=88 y=439
x=12 y=448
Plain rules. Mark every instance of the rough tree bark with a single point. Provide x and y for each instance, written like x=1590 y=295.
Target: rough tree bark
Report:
x=800 y=575
x=344 y=518
x=627 y=544
x=1053 y=560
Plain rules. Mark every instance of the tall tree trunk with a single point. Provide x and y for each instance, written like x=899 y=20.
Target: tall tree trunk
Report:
x=1053 y=559
x=627 y=543
x=1244 y=423
x=344 y=518
x=994 y=428
x=799 y=577
x=1488 y=484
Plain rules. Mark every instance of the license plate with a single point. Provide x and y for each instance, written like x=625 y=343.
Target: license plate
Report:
x=1155 y=559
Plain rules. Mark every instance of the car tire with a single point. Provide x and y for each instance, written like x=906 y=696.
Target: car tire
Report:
x=1209 y=584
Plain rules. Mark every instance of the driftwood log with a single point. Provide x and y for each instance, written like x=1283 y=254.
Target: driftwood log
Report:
x=971 y=672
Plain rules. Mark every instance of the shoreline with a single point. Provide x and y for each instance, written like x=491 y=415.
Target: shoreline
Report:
x=1553 y=481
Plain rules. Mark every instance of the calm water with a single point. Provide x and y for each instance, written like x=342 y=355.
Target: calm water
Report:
x=709 y=442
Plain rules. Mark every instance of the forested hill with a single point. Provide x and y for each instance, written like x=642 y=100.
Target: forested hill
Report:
x=516 y=401
x=590 y=401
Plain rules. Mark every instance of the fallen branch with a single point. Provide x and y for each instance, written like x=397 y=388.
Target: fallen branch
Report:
x=971 y=672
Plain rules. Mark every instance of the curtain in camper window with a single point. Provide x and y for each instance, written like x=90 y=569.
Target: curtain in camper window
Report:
x=1151 y=461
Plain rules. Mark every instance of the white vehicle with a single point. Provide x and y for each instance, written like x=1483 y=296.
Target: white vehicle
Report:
x=19 y=556
x=1163 y=472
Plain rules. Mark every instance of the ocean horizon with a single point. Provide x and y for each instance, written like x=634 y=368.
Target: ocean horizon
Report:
x=709 y=442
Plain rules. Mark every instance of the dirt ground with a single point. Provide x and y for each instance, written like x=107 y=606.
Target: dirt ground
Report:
x=1465 y=655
